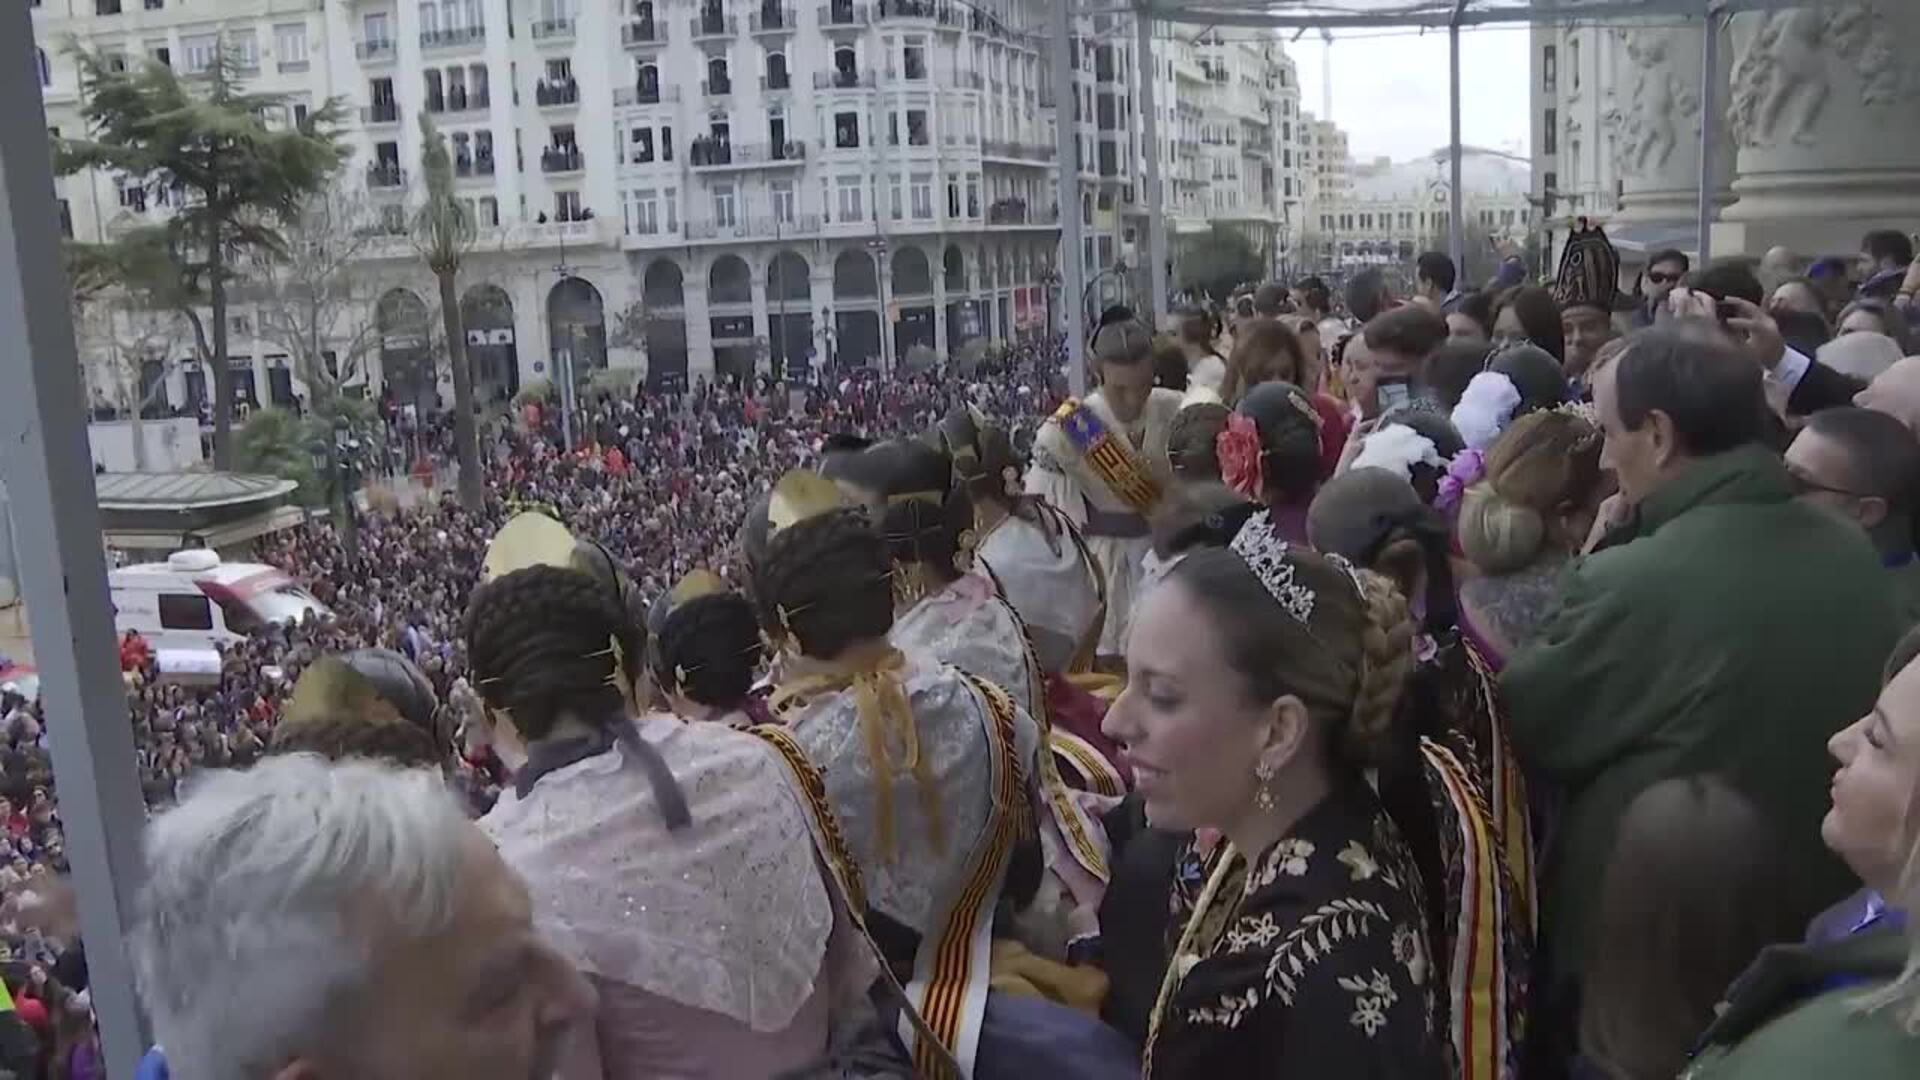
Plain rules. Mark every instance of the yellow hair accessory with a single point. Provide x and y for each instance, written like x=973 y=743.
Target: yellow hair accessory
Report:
x=799 y=495
x=696 y=584
x=529 y=539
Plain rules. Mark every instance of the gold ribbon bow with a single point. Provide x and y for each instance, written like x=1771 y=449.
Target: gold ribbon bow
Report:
x=887 y=731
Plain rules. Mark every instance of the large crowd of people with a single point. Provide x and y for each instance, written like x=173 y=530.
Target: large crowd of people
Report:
x=1513 y=682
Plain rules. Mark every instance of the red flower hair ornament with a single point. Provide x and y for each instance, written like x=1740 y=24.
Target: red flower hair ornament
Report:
x=1242 y=461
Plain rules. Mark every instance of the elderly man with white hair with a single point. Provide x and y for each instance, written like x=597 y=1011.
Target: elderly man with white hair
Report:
x=312 y=921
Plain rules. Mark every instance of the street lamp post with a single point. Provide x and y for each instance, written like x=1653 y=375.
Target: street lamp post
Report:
x=878 y=245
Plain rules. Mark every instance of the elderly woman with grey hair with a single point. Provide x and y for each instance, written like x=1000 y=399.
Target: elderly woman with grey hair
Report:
x=318 y=921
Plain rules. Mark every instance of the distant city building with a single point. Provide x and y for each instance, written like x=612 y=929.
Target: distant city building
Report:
x=1386 y=214
x=699 y=187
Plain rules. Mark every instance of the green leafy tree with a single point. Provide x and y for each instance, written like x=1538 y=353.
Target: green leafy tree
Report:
x=238 y=169
x=1219 y=261
x=275 y=442
x=444 y=231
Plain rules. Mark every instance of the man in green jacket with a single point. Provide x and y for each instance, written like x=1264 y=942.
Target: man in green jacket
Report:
x=1864 y=467
x=1720 y=627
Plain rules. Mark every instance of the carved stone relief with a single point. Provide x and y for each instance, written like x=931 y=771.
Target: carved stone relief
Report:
x=1783 y=85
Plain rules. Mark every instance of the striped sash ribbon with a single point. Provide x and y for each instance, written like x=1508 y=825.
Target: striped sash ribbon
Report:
x=1110 y=458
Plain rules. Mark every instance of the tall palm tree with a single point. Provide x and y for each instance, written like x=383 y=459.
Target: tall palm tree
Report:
x=443 y=233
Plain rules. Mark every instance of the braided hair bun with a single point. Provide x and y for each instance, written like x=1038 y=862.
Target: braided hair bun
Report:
x=924 y=515
x=708 y=649
x=824 y=583
x=369 y=703
x=546 y=642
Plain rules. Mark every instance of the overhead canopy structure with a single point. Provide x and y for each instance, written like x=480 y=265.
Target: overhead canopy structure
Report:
x=1450 y=15
x=1438 y=14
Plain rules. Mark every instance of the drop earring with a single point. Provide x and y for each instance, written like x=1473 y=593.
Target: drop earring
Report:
x=1263 y=787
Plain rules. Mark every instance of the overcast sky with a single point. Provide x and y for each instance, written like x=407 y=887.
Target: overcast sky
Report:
x=1390 y=89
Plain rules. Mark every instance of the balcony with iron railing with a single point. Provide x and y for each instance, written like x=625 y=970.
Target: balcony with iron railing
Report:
x=927 y=10
x=846 y=16
x=716 y=87
x=452 y=38
x=562 y=159
x=645 y=95
x=473 y=167
x=758 y=227
x=772 y=19
x=552 y=29
x=380 y=112
x=378 y=51
x=1015 y=211
x=909 y=73
x=710 y=153
x=386 y=174
x=643 y=34
x=556 y=95
x=458 y=100
x=843 y=80
x=713 y=26
x=1029 y=153
x=776 y=82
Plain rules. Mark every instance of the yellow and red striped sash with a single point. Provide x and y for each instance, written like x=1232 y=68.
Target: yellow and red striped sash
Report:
x=949 y=986
x=1088 y=763
x=1110 y=457
x=843 y=870
x=1477 y=975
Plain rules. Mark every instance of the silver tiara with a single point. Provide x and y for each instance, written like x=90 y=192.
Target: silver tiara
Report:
x=1265 y=551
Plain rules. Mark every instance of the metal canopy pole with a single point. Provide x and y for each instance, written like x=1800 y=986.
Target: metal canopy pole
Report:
x=48 y=471
x=1710 y=121
x=1066 y=145
x=1456 y=235
x=1156 y=203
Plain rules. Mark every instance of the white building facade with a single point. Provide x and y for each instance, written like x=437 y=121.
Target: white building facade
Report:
x=688 y=188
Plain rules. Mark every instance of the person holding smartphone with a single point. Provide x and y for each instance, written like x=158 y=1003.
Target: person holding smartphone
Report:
x=1383 y=359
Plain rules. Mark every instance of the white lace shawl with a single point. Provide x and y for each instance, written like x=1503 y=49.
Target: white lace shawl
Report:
x=968 y=626
x=1048 y=583
x=730 y=915
x=950 y=720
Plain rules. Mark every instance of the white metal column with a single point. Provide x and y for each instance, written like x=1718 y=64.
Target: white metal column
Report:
x=1456 y=234
x=48 y=470
x=1156 y=202
x=1067 y=164
x=1710 y=121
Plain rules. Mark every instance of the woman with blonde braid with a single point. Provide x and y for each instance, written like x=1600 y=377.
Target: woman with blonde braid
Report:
x=1264 y=681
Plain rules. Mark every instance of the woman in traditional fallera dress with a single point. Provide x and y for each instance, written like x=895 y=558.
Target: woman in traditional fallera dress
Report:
x=673 y=863
x=1044 y=569
x=923 y=766
x=1262 y=680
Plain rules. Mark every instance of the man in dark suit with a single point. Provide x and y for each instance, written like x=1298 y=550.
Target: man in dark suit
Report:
x=1811 y=385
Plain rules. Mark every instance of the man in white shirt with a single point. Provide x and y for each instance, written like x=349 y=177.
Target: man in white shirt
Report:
x=1103 y=462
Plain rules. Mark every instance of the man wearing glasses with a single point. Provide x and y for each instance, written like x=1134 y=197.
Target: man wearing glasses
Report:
x=1864 y=467
x=1664 y=271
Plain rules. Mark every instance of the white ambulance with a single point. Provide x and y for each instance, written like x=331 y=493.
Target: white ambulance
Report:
x=194 y=600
